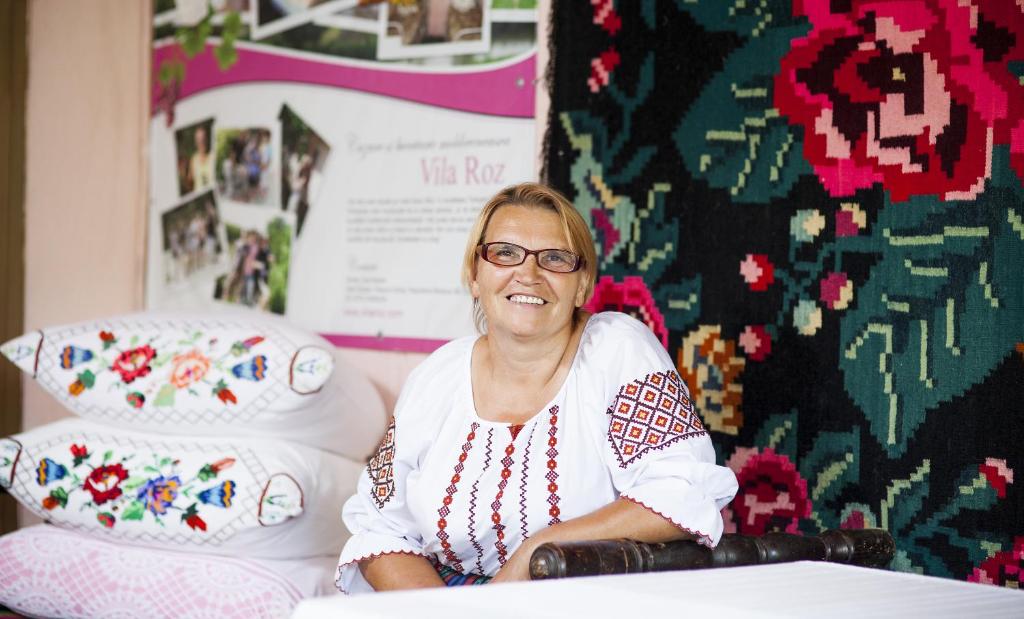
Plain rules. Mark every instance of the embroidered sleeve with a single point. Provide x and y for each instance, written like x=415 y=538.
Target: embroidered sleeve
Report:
x=381 y=468
x=656 y=447
x=377 y=515
x=651 y=413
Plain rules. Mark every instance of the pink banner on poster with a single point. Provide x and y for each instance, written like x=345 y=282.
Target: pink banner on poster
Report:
x=506 y=90
x=407 y=344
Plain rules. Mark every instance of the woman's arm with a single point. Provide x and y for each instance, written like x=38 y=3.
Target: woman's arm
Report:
x=620 y=519
x=393 y=572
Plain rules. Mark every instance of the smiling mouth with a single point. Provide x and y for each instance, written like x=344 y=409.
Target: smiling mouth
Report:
x=526 y=299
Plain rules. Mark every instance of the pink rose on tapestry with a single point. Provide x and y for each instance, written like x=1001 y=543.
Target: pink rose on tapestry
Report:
x=912 y=94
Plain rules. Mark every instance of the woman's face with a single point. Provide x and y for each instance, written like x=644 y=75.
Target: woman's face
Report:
x=526 y=300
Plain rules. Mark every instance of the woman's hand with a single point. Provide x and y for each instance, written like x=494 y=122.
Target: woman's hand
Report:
x=622 y=518
x=518 y=565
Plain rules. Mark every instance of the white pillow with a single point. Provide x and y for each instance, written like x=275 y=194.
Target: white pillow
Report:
x=244 y=497
x=49 y=572
x=243 y=374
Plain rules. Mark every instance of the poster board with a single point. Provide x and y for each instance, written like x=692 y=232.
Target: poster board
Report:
x=319 y=171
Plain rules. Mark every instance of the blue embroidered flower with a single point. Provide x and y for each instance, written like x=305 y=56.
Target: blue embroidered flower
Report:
x=48 y=471
x=159 y=493
x=220 y=495
x=254 y=369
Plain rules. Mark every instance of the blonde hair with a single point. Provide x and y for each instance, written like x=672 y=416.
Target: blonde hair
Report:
x=535 y=195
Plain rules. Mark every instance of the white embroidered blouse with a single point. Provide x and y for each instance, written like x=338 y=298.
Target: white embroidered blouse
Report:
x=465 y=492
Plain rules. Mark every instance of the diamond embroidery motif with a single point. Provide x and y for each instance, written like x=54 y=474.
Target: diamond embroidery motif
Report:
x=650 y=413
x=381 y=469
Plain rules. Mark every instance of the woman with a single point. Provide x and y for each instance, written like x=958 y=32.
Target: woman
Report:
x=553 y=426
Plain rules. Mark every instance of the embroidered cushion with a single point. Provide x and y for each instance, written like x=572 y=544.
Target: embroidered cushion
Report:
x=49 y=572
x=243 y=374
x=246 y=497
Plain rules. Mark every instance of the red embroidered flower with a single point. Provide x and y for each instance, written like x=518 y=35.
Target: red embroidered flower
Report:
x=836 y=291
x=106 y=519
x=998 y=475
x=1004 y=569
x=135 y=399
x=80 y=453
x=107 y=336
x=223 y=463
x=756 y=342
x=134 y=363
x=632 y=297
x=104 y=482
x=195 y=522
x=50 y=502
x=772 y=496
x=911 y=94
x=226 y=396
x=192 y=519
x=758 y=271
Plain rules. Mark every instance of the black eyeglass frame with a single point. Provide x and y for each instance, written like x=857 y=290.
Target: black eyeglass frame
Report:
x=482 y=251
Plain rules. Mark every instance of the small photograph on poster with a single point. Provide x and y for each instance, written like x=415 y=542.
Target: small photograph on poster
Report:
x=246 y=170
x=190 y=12
x=303 y=155
x=273 y=16
x=514 y=11
x=194 y=160
x=259 y=259
x=192 y=240
x=421 y=28
x=363 y=18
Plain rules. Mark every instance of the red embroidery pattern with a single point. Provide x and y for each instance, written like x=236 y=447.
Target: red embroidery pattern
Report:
x=552 y=475
x=651 y=413
x=506 y=472
x=442 y=524
x=381 y=468
x=472 y=506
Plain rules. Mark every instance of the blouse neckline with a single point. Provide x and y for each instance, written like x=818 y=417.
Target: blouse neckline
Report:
x=468 y=391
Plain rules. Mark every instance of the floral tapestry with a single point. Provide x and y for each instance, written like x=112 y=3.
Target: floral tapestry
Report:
x=818 y=206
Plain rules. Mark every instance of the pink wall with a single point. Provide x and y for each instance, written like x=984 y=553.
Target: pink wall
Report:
x=85 y=173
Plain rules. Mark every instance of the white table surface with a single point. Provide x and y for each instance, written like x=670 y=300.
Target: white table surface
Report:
x=801 y=589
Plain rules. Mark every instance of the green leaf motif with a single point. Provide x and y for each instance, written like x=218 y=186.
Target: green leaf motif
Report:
x=165 y=397
x=779 y=434
x=750 y=18
x=733 y=137
x=206 y=473
x=88 y=379
x=134 y=511
x=132 y=483
x=942 y=307
x=595 y=200
x=61 y=495
x=107 y=455
x=830 y=467
x=903 y=499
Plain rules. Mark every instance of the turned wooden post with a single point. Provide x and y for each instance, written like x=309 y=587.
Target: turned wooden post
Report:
x=865 y=547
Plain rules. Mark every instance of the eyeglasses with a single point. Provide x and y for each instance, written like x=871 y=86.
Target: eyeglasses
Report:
x=510 y=255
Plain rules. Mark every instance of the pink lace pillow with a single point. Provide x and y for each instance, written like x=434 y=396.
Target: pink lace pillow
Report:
x=246 y=497
x=48 y=572
x=214 y=374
